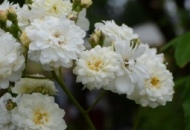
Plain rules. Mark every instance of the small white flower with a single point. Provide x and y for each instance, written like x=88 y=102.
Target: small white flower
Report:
x=158 y=88
x=26 y=14
x=28 y=86
x=55 y=42
x=97 y=67
x=5 y=114
x=38 y=112
x=11 y=60
x=133 y=73
x=53 y=7
x=112 y=31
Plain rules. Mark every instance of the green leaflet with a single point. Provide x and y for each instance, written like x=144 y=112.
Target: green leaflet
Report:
x=181 y=46
x=186 y=104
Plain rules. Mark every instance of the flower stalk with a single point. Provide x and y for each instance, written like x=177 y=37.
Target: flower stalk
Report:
x=82 y=111
x=96 y=101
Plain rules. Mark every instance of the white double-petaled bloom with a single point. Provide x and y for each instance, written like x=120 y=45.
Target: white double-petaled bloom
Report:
x=26 y=15
x=38 y=112
x=132 y=72
x=158 y=87
x=5 y=114
x=55 y=42
x=11 y=59
x=40 y=9
x=112 y=32
x=97 y=67
x=53 y=7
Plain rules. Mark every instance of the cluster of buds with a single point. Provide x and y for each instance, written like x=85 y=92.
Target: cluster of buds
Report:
x=12 y=16
x=78 y=5
x=97 y=38
x=9 y=14
x=9 y=22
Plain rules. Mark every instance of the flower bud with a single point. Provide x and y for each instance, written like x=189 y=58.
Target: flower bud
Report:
x=3 y=16
x=73 y=16
x=24 y=39
x=94 y=40
x=86 y=3
x=99 y=34
x=10 y=105
x=12 y=16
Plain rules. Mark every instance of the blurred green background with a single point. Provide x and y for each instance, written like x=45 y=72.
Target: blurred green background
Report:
x=157 y=22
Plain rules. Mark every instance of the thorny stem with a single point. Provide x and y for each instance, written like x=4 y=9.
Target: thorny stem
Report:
x=82 y=111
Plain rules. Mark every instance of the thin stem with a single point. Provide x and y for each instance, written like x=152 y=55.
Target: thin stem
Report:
x=82 y=111
x=96 y=101
x=26 y=60
x=137 y=119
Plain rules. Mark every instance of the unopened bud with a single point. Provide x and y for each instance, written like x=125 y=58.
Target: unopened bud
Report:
x=3 y=16
x=24 y=39
x=10 y=105
x=86 y=3
x=94 y=40
x=12 y=16
x=73 y=16
x=99 y=34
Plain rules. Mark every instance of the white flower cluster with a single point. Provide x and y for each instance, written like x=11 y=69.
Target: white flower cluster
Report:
x=30 y=112
x=33 y=108
x=45 y=31
x=51 y=32
x=126 y=67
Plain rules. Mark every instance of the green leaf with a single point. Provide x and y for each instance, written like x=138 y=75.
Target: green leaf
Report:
x=186 y=105
x=181 y=82
x=182 y=49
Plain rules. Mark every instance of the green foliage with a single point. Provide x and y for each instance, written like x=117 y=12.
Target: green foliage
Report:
x=186 y=104
x=181 y=46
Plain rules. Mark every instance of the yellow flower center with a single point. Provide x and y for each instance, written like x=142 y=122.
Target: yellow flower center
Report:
x=40 y=117
x=96 y=65
x=155 y=82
